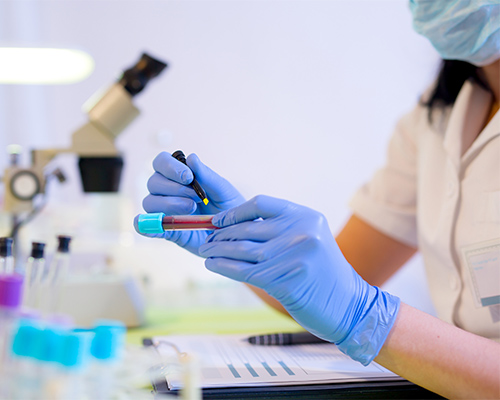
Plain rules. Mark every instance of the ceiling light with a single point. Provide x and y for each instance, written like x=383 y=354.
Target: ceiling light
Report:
x=43 y=66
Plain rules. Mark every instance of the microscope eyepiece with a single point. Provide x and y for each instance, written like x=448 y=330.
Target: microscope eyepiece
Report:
x=135 y=79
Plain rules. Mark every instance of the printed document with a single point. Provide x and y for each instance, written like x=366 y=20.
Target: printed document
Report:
x=230 y=361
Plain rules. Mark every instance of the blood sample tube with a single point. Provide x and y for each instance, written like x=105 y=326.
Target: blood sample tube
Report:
x=159 y=222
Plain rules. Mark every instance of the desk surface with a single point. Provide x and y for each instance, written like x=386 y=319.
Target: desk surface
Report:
x=255 y=320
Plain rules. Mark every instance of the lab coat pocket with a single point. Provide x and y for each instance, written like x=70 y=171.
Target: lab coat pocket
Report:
x=488 y=210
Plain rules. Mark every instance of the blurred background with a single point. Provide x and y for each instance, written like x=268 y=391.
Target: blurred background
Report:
x=294 y=99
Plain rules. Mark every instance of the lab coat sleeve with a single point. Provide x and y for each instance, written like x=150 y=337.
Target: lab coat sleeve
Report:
x=388 y=201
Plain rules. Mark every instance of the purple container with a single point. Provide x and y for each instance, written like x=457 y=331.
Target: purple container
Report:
x=11 y=290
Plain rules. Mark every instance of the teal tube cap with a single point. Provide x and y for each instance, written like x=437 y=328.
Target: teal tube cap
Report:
x=109 y=339
x=150 y=223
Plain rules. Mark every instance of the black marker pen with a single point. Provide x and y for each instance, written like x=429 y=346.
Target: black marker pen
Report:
x=179 y=155
x=285 y=339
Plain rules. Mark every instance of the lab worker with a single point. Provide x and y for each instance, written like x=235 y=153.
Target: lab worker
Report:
x=438 y=194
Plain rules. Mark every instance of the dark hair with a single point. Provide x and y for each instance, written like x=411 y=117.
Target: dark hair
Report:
x=452 y=76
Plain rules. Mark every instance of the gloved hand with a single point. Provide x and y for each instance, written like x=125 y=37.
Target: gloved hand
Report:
x=288 y=251
x=170 y=194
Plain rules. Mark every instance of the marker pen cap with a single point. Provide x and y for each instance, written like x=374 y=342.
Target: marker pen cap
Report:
x=150 y=223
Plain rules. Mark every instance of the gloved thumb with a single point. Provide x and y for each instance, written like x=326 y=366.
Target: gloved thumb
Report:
x=218 y=189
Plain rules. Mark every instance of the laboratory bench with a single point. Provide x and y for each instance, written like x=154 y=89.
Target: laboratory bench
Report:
x=256 y=318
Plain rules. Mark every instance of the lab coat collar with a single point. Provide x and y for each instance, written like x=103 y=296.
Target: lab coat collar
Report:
x=489 y=132
x=469 y=112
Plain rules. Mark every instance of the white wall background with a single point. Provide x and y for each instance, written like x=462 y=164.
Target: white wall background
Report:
x=295 y=99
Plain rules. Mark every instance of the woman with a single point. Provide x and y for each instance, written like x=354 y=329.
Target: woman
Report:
x=439 y=193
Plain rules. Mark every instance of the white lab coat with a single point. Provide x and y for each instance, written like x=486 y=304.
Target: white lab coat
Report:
x=439 y=191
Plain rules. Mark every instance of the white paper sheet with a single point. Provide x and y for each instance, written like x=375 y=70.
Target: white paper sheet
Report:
x=230 y=361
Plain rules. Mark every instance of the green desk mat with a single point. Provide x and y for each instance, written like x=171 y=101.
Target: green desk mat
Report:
x=162 y=321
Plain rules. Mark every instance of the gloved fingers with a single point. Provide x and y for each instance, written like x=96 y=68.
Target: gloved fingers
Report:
x=259 y=207
x=270 y=275
x=257 y=231
x=280 y=276
x=242 y=250
x=188 y=239
x=217 y=188
x=169 y=205
x=233 y=269
x=172 y=168
x=245 y=250
x=159 y=185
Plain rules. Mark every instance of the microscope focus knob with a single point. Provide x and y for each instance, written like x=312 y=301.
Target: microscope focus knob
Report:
x=24 y=185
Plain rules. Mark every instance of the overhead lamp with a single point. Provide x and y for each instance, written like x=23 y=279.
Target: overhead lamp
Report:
x=43 y=66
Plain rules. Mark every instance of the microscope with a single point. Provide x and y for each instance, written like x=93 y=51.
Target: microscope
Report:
x=100 y=163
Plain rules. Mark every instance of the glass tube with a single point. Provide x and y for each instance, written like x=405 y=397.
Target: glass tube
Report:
x=187 y=222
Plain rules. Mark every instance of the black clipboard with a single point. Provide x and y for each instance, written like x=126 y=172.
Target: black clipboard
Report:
x=401 y=389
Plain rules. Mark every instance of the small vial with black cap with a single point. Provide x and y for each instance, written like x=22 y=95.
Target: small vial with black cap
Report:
x=58 y=268
x=57 y=273
x=6 y=257
x=33 y=272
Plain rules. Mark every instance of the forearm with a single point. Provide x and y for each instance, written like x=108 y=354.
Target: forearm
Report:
x=442 y=358
x=374 y=255
x=269 y=300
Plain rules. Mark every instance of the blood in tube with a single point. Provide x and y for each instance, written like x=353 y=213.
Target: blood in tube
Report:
x=187 y=222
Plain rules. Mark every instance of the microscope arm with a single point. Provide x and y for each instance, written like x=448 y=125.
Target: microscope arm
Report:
x=108 y=117
x=109 y=113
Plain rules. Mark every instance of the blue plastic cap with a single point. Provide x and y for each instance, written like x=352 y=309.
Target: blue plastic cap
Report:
x=75 y=349
x=50 y=344
x=26 y=339
x=108 y=340
x=150 y=223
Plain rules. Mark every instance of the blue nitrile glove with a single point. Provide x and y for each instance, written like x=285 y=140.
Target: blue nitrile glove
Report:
x=170 y=194
x=288 y=251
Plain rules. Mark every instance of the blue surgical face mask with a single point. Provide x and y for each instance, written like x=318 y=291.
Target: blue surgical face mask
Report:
x=466 y=30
